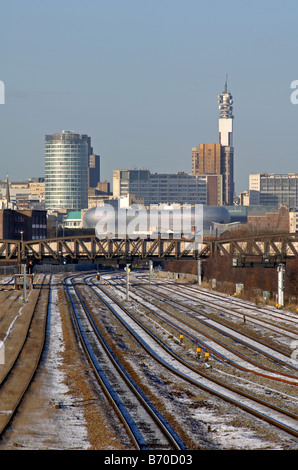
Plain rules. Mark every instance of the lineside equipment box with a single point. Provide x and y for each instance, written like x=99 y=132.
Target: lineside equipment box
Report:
x=19 y=281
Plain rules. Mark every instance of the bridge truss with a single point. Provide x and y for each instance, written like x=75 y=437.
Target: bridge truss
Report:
x=278 y=247
x=90 y=249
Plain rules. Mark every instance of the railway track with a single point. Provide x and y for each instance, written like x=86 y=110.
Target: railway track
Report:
x=275 y=415
x=189 y=330
x=238 y=309
x=278 y=355
x=145 y=432
x=23 y=356
x=146 y=426
x=266 y=310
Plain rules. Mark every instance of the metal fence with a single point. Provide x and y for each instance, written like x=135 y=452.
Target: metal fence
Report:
x=58 y=268
x=9 y=270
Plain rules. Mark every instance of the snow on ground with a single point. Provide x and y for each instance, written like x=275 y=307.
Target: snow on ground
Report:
x=44 y=424
x=65 y=427
x=69 y=426
x=228 y=437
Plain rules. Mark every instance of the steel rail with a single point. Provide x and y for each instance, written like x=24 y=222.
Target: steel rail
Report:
x=183 y=306
x=17 y=362
x=237 y=313
x=212 y=350
x=240 y=303
x=189 y=307
x=113 y=396
x=182 y=375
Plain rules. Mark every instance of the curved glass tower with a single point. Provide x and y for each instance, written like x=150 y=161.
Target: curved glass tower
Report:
x=66 y=170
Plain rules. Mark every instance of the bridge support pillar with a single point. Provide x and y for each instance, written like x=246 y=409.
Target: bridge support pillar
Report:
x=281 y=284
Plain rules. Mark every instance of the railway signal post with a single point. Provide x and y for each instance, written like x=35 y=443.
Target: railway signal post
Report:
x=267 y=263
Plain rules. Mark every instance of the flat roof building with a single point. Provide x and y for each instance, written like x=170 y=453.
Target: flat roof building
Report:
x=155 y=188
x=273 y=189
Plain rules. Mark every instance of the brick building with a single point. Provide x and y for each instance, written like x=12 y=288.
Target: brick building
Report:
x=26 y=224
x=278 y=221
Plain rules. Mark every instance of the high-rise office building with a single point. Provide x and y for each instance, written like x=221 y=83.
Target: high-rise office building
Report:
x=94 y=170
x=66 y=170
x=206 y=159
x=270 y=189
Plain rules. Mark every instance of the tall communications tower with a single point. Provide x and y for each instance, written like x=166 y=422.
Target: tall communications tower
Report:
x=225 y=122
x=225 y=127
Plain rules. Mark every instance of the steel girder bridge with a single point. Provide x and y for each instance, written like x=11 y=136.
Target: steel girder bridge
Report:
x=257 y=248
x=90 y=249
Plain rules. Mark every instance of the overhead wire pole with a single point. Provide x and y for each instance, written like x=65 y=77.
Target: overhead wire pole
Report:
x=127 y=281
x=24 y=284
x=199 y=271
x=150 y=270
x=281 y=284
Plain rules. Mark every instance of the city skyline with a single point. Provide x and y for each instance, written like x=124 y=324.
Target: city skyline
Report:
x=142 y=79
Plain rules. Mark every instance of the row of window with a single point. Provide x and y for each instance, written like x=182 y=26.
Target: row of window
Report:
x=65 y=181
x=71 y=164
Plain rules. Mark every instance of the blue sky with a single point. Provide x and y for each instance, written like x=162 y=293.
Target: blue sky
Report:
x=141 y=77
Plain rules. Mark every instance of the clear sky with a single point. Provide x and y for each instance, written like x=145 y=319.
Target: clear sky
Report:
x=141 y=78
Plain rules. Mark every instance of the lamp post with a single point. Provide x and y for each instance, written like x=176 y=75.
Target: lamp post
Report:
x=23 y=265
x=22 y=244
